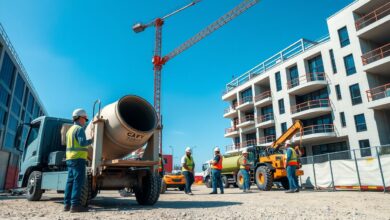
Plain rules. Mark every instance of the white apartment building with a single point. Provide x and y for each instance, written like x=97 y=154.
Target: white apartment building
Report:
x=338 y=86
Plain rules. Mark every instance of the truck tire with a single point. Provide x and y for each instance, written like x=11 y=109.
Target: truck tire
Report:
x=207 y=182
x=264 y=178
x=225 y=182
x=163 y=187
x=86 y=191
x=240 y=180
x=33 y=190
x=149 y=190
x=285 y=183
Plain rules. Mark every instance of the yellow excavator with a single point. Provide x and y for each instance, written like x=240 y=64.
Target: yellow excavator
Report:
x=269 y=161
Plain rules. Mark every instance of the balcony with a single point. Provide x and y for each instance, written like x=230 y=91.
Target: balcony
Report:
x=315 y=133
x=378 y=60
x=265 y=121
x=311 y=109
x=248 y=143
x=230 y=112
x=233 y=147
x=374 y=23
x=231 y=132
x=248 y=120
x=379 y=97
x=245 y=103
x=263 y=99
x=308 y=83
x=267 y=140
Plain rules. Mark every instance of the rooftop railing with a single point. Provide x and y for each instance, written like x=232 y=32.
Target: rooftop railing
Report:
x=377 y=54
x=373 y=16
x=20 y=64
x=262 y=96
x=309 y=77
x=320 y=103
x=379 y=92
x=291 y=51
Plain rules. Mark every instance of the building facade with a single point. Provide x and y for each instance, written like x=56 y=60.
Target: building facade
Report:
x=338 y=86
x=19 y=103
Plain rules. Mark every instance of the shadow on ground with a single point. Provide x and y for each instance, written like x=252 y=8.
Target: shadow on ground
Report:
x=9 y=197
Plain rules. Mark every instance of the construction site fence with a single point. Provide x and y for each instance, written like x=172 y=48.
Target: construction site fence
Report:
x=358 y=169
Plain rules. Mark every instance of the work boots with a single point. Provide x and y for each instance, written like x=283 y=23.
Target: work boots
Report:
x=78 y=209
x=66 y=208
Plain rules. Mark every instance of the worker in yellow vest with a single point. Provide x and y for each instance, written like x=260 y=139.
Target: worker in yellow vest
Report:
x=161 y=165
x=216 y=167
x=245 y=166
x=291 y=165
x=76 y=161
x=188 y=165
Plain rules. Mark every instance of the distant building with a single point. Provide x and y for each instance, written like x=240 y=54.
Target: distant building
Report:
x=19 y=103
x=338 y=86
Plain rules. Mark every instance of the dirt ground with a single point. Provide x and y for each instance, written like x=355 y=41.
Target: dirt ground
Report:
x=232 y=205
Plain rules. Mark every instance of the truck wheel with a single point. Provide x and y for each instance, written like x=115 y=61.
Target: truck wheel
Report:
x=208 y=182
x=225 y=182
x=34 y=191
x=264 y=178
x=285 y=183
x=163 y=187
x=240 y=180
x=86 y=191
x=149 y=190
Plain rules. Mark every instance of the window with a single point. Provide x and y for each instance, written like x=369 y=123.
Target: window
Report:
x=340 y=147
x=294 y=76
x=316 y=95
x=315 y=65
x=343 y=36
x=278 y=81
x=284 y=127
x=281 y=106
x=365 y=150
x=267 y=110
x=342 y=119
x=334 y=68
x=360 y=123
x=237 y=141
x=19 y=88
x=338 y=92
x=4 y=97
x=355 y=94
x=349 y=65
x=7 y=72
x=246 y=95
x=269 y=131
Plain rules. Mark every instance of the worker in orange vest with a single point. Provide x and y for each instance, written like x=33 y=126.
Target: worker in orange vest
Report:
x=216 y=167
x=291 y=165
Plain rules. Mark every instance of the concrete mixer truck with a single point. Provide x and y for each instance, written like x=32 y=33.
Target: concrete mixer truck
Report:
x=119 y=129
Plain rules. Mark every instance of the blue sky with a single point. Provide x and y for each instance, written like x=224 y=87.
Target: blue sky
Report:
x=78 y=51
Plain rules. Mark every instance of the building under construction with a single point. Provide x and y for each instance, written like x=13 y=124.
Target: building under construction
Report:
x=338 y=86
x=19 y=103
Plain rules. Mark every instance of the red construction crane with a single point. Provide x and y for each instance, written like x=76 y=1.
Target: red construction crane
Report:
x=159 y=61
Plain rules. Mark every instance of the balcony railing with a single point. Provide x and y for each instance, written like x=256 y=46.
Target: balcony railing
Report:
x=267 y=139
x=233 y=147
x=266 y=117
x=230 y=109
x=309 y=77
x=376 y=54
x=248 y=118
x=245 y=100
x=230 y=130
x=320 y=103
x=378 y=92
x=373 y=16
x=262 y=96
x=248 y=143
x=317 y=129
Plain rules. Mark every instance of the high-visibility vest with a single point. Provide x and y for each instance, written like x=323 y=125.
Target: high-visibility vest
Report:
x=189 y=162
x=160 y=166
x=293 y=159
x=218 y=166
x=244 y=163
x=73 y=149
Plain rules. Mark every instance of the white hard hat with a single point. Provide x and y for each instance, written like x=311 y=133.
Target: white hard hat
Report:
x=288 y=142
x=188 y=149
x=216 y=149
x=79 y=113
x=245 y=151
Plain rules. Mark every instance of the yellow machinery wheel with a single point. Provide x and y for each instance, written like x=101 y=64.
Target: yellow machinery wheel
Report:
x=264 y=178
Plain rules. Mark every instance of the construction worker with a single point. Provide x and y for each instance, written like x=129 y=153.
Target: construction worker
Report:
x=161 y=165
x=188 y=165
x=76 y=161
x=291 y=166
x=245 y=166
x=216 y=167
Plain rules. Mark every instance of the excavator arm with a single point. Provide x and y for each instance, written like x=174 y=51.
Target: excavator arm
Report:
x=291 y=131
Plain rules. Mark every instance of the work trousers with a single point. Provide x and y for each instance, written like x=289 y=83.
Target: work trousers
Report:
x=292 y=178
x=217 y=180
x=75 y=181
x=247 y=180
x=189 y=181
